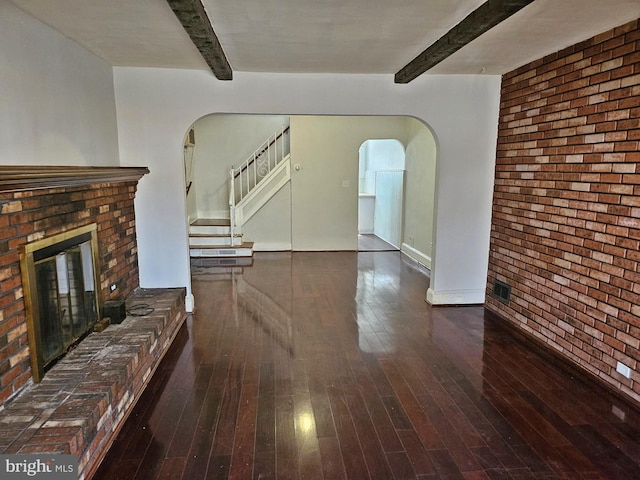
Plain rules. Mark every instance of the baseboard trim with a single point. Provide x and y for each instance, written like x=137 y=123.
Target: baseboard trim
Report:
x=560 y=361
x=271 y=247
x=417 y=255
x=189 y=303
x=455 y=297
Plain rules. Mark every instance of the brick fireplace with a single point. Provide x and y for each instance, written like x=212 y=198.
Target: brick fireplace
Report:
x=41 y=202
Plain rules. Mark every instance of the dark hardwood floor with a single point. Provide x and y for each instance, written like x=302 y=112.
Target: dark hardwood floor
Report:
x=332 y=366
x=372 y=243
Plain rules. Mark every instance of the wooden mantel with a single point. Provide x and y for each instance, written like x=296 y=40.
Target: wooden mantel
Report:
x=19 y=177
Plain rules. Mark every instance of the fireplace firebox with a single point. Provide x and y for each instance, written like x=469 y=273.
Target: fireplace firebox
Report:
x=60 y=281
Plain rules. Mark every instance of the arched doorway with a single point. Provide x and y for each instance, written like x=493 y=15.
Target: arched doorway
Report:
x=318 y=210
x=380 y=194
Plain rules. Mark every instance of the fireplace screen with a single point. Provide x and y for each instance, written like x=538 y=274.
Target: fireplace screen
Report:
x=60 y=292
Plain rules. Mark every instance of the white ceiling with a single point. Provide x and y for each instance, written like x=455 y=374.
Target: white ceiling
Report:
x=326 y=36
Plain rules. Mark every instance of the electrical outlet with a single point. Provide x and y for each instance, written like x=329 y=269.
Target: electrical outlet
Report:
x=623 y=370
x=618 y=412
x=113 y=287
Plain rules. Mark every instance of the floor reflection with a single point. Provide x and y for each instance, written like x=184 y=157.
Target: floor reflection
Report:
x=332 y=365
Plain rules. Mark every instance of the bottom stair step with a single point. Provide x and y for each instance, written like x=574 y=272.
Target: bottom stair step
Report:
x=219 y=266
x=222 y=251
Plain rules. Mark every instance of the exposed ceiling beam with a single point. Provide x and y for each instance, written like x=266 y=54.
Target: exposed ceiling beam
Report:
x=482 y=19
x=195 y=21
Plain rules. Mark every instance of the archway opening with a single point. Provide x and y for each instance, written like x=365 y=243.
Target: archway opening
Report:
x=380 y=195
x=317 y=210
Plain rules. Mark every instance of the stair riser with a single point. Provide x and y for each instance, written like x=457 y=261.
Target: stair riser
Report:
x=220 y=252
x=204 y=241
x=209 y=230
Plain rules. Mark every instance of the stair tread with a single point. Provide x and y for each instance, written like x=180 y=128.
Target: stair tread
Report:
x=213 y=235
x=211 y=222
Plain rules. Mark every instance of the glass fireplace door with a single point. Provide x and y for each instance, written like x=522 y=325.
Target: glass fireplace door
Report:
x=66 y=299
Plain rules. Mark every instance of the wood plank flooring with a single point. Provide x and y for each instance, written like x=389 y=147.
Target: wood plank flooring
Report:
x=372 y=243
x=332 y=366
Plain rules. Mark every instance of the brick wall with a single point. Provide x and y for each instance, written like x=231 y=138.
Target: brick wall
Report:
x=32 y=215
x=566 y=215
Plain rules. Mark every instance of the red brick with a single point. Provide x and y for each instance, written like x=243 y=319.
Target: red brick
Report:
x=44 y=212
x=586 y=248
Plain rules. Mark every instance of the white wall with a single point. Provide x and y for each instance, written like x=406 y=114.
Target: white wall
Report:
x=223 y=141
x=189 y=172
x=327 y=141
x=388 y=206
x=379 y=155
x=385 y=218
x=366 y=212
x=419 y=207
x=270 y=227
x=156 y=107
x=324 y=192
x=57 y=104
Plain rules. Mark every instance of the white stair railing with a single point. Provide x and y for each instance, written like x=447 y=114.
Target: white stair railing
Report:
x=245 y=178
x=232 y=206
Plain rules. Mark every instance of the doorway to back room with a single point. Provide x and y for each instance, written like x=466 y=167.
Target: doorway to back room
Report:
x=380 y=195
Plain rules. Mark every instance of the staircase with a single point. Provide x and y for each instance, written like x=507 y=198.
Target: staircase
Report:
x=250 y=187
x=212 y=238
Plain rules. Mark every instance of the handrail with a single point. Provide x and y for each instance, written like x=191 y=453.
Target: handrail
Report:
x=232 y=206
x=262 y=192
x=264 y=159
x=255 y=155
x=248 y=178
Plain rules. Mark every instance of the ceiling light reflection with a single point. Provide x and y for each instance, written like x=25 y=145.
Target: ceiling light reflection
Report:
x=306 y=423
